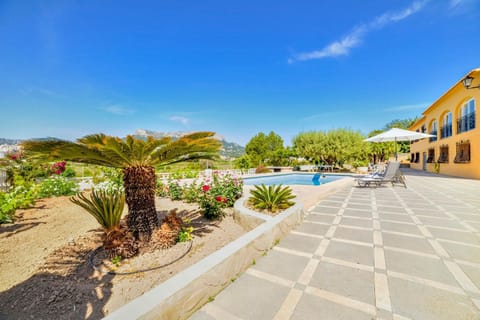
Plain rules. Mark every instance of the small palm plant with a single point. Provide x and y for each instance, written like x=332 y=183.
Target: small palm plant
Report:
x=273 y=198
x=106 y=206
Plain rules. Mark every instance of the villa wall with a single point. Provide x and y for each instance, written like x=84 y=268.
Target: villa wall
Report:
x=451 y=101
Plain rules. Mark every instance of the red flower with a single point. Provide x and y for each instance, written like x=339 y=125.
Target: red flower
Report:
x=14 y=157
x=58 y=171
x=221 y=199
x=205 y=188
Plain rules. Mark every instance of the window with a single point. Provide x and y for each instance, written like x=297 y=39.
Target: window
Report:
x=417 y=157
x=424 y=129
x=431 y=155
x=463 y=152
x=443 y=158
x=433 y=131
x=446 y=126
x=466 y=117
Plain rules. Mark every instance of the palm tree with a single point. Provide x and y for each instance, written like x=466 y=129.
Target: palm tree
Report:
x=137 y=158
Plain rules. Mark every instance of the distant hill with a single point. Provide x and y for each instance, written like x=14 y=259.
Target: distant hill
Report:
x=9 y=141
x=229 y=149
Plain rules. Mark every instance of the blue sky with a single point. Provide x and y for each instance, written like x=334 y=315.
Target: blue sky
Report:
x=71 y=68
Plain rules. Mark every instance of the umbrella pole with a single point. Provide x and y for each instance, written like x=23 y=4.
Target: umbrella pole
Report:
x=396 y=154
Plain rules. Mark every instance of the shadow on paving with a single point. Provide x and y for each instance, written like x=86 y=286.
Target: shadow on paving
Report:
x=66 y=287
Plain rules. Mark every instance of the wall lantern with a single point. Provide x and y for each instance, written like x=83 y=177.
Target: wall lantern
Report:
x=467 y=83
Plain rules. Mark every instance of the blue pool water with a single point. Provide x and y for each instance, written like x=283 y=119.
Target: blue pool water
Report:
x=292 y=179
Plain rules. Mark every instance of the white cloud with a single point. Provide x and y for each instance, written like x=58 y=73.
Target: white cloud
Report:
x=118 y=110
x=455 y=3
x=355 y=37
x=182 y=120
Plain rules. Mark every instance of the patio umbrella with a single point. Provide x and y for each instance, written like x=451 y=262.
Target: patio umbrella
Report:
x=396 y=134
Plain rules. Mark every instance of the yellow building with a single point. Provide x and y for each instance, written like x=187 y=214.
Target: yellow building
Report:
x=453 y=120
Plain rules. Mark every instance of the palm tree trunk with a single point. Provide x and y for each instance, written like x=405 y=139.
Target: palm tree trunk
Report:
x=139 y=183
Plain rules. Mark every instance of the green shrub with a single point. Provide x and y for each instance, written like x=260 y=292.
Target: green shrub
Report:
x=174 y=190
x=106 y=206
x=191 y=192
x=20 y=198
x=57 y=186
x=185 y=234
x=161 y=189
x=272 y=198
x=7 y=208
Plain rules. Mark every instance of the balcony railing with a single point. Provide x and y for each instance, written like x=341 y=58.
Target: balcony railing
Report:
x=432 y=139
x=446 y=131
x=466 y=123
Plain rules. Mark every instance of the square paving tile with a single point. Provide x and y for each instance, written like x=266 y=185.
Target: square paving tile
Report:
x=468 y=217
x=313 y=307
x=282 y=265
x=401 y=227
x=388 y=209
x=401 y=217
x=300 y=243
x=462 y=252
x=359 y=206
x=250 y=297
x=358 y=213
x=201 y=315
x=354 y=234
x=329 y=203
x=460 y=236
x=428 y=212
x=327 y=218
x=418 y=266
x=422 y=302
x=409 y=243
x=322 y=209
x=357 y=222
x=352 y=283
x=350 y=252
x=439 y=222
x=472 y=272
x=313 y=228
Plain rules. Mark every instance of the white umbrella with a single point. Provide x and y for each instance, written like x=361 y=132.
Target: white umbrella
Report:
x=396 y=134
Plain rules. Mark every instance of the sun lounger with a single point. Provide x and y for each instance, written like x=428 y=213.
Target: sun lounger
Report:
x=391 y=175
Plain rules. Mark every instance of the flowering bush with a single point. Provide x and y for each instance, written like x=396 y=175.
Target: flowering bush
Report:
x=221 y=192
x=57 y=186
x=59 y=167
x=174 y=190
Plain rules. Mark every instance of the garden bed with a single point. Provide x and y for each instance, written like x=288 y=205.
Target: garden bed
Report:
x=45 y=261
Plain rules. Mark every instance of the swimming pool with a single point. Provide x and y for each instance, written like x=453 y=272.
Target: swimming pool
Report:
x=293 y=179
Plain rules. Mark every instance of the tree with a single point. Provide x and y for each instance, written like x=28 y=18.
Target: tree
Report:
x=137 y=158
x=379 y=151
x=336 y=146
x=400 y=123
x=242 y=162
x=261 y=148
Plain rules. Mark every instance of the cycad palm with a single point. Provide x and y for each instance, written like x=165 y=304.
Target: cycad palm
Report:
x=137 y=158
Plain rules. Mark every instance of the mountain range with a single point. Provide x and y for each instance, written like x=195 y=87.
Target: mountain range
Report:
x=229 y=149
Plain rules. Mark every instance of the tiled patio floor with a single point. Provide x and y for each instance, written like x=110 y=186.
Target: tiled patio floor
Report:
x=385 y=253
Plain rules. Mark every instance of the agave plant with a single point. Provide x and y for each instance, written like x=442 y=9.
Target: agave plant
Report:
x=272 y=198
x=137 y=158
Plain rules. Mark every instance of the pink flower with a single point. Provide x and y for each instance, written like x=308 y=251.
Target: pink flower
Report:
x=205 y=188
x=58 y=171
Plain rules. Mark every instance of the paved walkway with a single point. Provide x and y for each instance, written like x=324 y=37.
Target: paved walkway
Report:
x=385 y=253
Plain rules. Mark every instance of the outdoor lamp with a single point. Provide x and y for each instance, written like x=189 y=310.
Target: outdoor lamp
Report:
x=467 y=83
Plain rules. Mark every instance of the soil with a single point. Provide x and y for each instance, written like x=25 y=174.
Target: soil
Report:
x=45 y=269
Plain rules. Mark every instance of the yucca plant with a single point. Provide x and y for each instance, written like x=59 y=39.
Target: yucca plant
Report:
x=137 y=158
x=272 y=198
